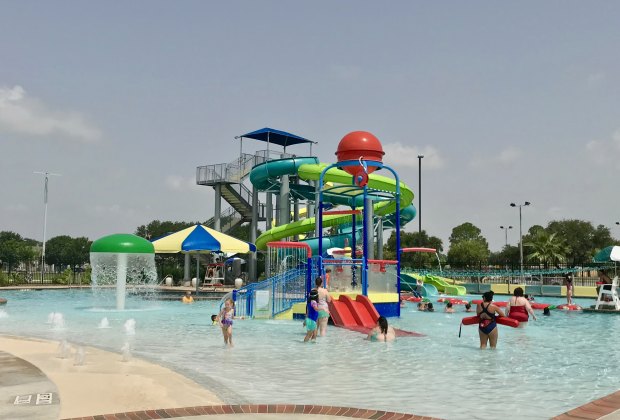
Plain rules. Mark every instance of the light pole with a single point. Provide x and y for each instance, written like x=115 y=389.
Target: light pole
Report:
x=527 y=203
x=506 y=232
x=47 y=175
x=420 y=193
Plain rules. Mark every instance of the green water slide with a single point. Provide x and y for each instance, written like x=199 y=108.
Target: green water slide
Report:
x=409 y=282
x=264 y=177
x=443 y=286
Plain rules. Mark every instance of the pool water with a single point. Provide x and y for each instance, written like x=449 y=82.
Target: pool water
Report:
x=551 y=366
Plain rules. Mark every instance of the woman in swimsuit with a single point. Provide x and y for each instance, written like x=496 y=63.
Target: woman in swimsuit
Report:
x=519 y=308
x=324 y=299
x=382 y=332
x=487 y=329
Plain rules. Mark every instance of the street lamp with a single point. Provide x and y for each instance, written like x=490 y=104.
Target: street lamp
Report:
x=420 y=193
x=527 y=203
x=506 y=232
x=47 y=175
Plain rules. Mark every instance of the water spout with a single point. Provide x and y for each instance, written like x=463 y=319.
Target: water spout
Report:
x=64 y=349
x=79 y=356
x=104 y=323
x=126 y=351
x=130 y=327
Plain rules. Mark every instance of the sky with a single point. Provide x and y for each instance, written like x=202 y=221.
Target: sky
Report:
x=507 y=101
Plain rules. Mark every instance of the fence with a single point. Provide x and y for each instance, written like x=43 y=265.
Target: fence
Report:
x=26 y=277
x=270 y=297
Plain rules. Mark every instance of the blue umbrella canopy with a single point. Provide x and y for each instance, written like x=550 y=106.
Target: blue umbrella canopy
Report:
x=281 y=138
x=199 y=238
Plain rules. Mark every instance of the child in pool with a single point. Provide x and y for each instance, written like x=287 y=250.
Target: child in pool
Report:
x=382 y=331
x=312 y=315
x=226 y=321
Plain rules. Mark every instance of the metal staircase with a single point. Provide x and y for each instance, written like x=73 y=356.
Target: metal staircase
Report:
x=230 y=177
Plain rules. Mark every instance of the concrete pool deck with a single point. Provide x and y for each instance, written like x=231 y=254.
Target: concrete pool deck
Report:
x=36 y=383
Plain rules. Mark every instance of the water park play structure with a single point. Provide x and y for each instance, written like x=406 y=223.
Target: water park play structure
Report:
x=371 y=204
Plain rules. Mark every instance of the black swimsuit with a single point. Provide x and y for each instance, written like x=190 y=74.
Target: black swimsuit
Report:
x=486 y=326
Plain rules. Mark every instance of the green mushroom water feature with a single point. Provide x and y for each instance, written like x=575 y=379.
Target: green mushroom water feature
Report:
x=124 y=263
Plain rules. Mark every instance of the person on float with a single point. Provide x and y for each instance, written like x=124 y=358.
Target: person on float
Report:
x=568 y=282
x=519 y=307
x=487 y=327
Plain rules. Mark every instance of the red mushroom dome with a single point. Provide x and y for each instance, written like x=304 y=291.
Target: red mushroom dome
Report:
x=359 y=144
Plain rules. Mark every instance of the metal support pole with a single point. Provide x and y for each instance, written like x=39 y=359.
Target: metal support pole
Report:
x=420 y=193
x=252 y=274
x=218 y=207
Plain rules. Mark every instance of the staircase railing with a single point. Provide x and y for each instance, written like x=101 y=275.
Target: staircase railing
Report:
x=235 y=171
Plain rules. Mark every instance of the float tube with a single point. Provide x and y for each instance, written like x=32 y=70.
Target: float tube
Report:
x=536 y=305
x=498 y=304
x=454 y=301
x=569 y=307
x=503 y=320
x=2 y=301
x=413 y=299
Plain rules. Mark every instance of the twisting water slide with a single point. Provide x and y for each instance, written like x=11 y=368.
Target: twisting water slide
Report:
x=268 y=176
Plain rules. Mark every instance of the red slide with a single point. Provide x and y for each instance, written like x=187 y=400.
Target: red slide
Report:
x=358 y=315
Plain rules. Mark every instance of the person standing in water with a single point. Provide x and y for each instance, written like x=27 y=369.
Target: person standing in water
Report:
x=226 y=317
x=487 y=328
x=323 y=306
x=312 y=315
x=519 y=307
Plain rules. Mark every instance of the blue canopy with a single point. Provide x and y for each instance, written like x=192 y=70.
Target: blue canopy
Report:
x=281 y=138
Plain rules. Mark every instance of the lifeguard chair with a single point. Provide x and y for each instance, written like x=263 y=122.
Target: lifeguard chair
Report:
x=604 y=295
x=606 y=255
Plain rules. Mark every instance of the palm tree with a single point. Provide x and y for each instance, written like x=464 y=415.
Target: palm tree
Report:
x=547 y=249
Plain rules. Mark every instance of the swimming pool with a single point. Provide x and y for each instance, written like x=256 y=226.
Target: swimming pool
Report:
x=551 y=366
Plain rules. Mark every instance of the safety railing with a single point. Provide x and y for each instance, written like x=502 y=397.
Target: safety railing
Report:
x=270 y=297
x=235 y=171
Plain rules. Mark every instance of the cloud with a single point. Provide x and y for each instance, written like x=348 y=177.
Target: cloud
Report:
x=504 y=157
x=22 y=114
x=407 y=156
x=605 y=152
x=180 y=183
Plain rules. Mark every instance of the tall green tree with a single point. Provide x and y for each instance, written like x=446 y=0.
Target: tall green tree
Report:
x=157 y=229
x=410 y=240
x=67 y=251
x=546 y=248
x=467 y=246
x=581 y=237
x=14 y=250
x=468 y=253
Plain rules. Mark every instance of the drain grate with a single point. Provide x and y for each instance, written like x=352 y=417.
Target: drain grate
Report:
x=35 y=399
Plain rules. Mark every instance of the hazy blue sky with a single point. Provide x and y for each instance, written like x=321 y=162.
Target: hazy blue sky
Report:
x=508 y=101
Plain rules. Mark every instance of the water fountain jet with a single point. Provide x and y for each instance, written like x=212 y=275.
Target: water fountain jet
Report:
x=123 y=260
